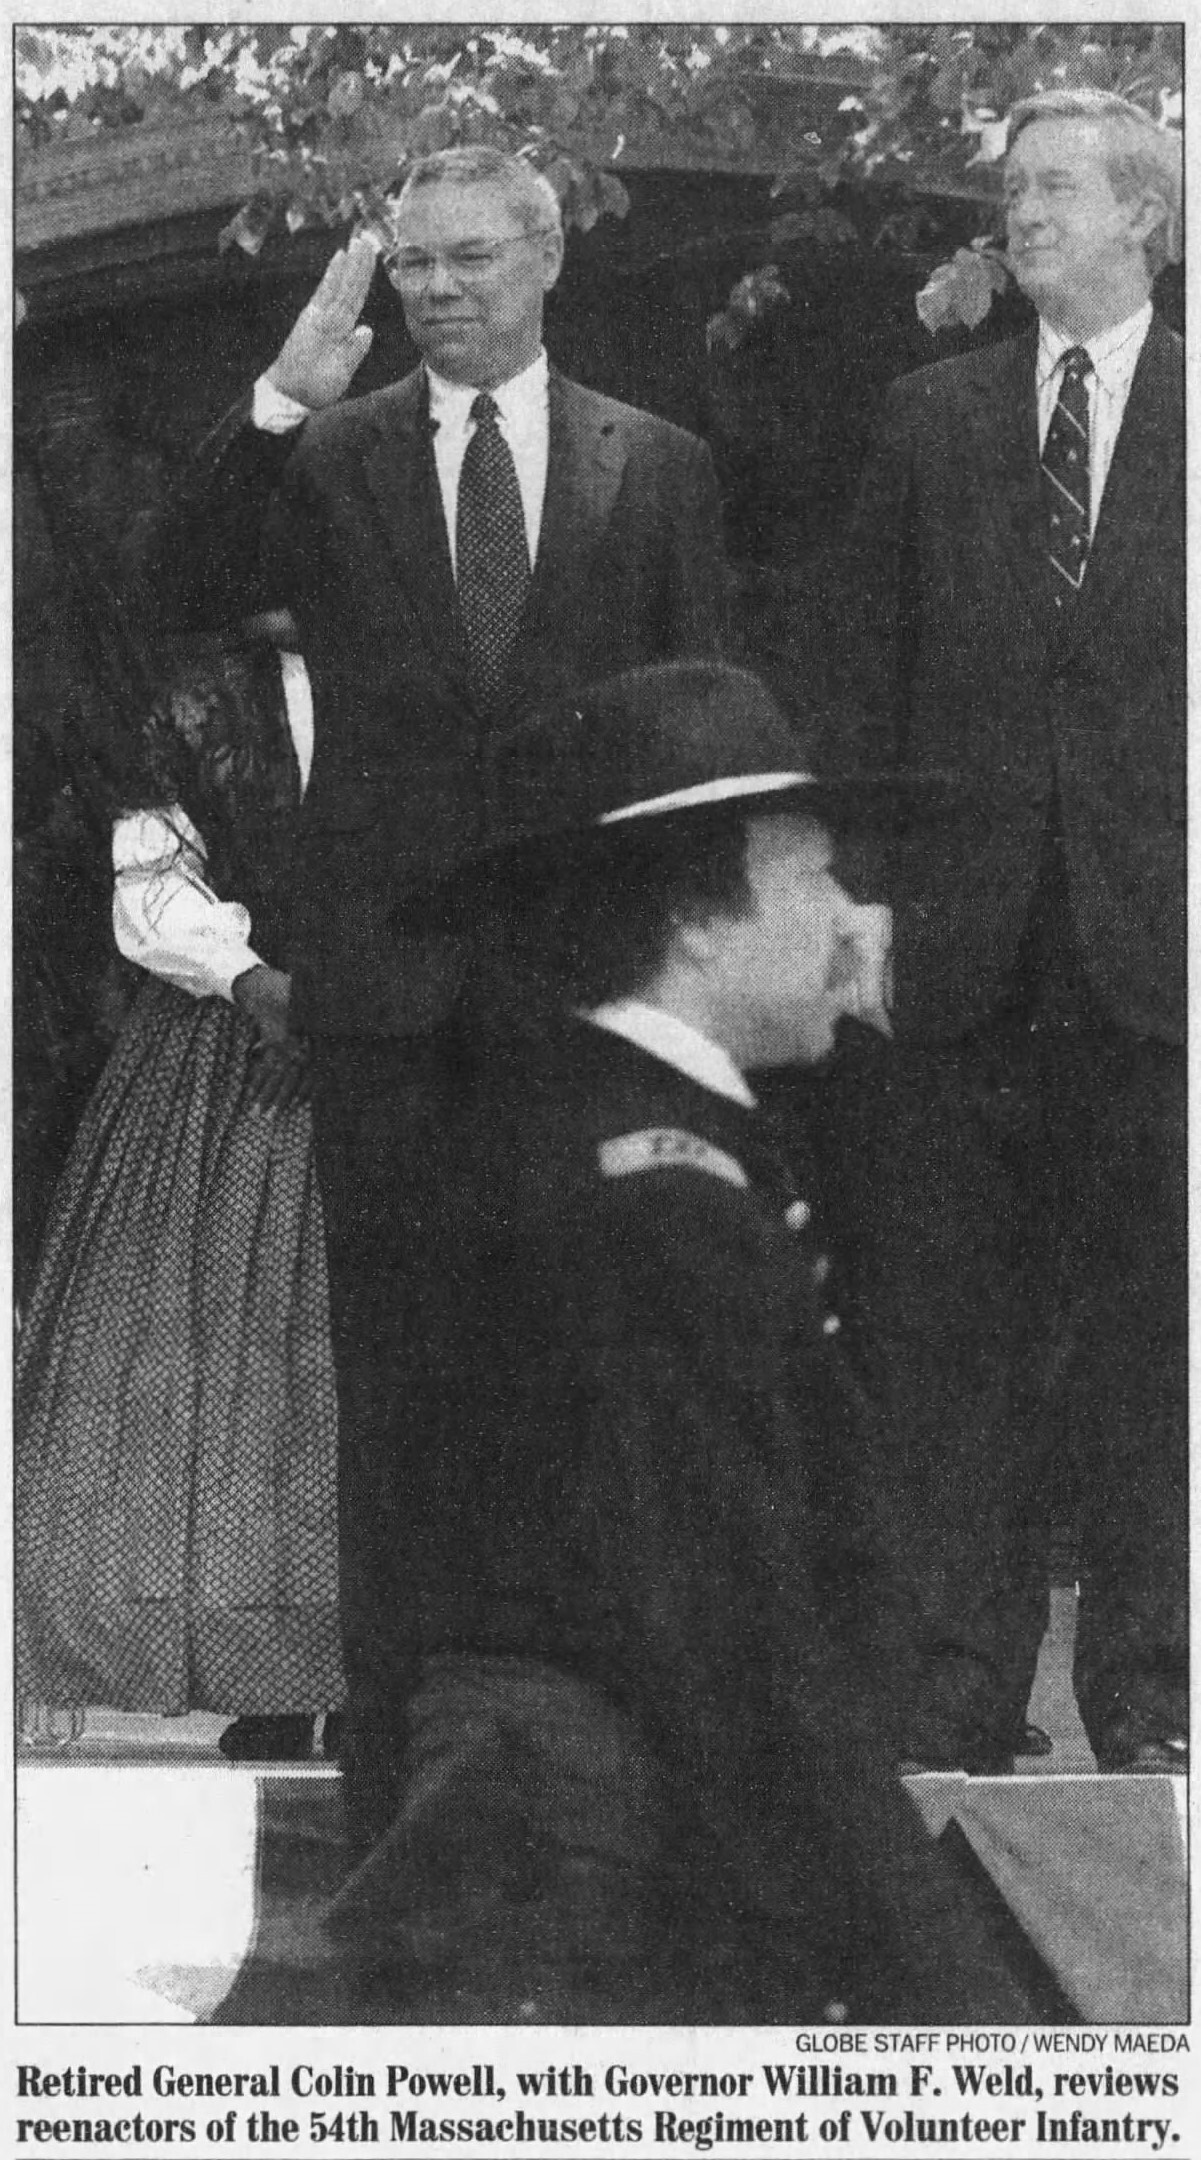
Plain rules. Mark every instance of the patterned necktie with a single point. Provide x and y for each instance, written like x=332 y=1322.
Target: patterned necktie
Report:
x=492 y=554
x=1065 y=477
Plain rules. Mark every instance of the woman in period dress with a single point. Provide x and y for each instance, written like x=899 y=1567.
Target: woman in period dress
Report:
x=175 y=1407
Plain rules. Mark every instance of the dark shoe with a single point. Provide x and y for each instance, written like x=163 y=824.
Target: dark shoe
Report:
x=984 y=1758
x=1124 y=1754
x=268 y=1739
x=331 y=1738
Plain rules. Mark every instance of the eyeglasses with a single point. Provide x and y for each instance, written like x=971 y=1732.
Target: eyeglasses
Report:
x=474 y=260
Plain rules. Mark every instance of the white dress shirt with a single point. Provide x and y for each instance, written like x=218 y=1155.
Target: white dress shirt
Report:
x=165 y=916
x=676 y=1042
x=1114 y=356
x=523 y=416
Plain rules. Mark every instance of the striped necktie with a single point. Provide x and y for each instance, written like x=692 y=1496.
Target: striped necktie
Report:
x=491 y=555
x=1066 y=478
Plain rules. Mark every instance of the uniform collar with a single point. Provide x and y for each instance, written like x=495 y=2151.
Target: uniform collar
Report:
x=649 y=1028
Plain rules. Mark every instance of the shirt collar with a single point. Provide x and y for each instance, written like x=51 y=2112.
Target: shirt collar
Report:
x=678 y=1044
x=518 y=399
x=1112 y=351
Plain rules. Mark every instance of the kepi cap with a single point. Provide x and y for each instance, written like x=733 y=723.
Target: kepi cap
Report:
x=678 y=740
x=661 y=741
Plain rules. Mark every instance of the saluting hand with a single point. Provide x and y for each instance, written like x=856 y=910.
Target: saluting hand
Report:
x=327 y=343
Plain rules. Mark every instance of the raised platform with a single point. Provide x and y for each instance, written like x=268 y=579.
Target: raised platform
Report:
x=146 y=1892
x=158 y=1883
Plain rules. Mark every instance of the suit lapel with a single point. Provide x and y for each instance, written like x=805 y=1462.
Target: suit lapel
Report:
x=403 y=480
x=585 y=463
x=1142 y=476
x=586 y=460
x=1005 y=420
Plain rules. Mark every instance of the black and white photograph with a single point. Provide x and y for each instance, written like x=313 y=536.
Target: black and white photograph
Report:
x=599 y=1121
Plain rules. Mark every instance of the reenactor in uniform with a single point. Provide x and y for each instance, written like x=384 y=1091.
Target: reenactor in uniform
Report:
x=617 y=1747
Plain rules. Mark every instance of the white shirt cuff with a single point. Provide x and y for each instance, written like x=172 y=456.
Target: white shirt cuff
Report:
x=274 y=413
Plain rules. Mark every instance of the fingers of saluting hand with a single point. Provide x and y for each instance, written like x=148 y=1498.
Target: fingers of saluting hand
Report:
x=342 y=294
x=327 y=343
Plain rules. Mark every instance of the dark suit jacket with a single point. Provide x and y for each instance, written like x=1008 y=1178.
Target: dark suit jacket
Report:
x=961 y=662
x=342 y=523
x=614 y=1436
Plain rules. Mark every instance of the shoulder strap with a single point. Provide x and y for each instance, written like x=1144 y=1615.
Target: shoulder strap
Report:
x=664 y=1147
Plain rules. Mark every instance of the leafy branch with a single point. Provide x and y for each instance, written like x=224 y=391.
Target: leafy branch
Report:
x=335 y=114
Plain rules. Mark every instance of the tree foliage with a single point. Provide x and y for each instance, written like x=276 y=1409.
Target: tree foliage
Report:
x=878 y=137
x=334 y=114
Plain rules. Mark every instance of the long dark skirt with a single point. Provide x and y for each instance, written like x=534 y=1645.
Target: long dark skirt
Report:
x=175 y=1408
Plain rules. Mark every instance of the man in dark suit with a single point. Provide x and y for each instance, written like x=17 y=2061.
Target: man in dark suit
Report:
x=618 y=1755
x=453 y=548
x=1017 y=1167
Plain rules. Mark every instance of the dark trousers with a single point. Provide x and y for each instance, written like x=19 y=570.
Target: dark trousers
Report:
x=516 y=1880
x=1012 y=1210
x=544 y=1866
x=380 y=1120
x=1106 y=1223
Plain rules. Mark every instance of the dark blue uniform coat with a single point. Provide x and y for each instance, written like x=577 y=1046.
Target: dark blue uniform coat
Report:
x=619 y=1440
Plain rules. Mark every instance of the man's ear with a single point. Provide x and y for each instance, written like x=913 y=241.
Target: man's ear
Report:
x=552 y=258
x=695 y=939
x=1151 y=212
